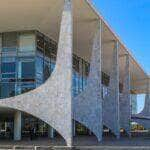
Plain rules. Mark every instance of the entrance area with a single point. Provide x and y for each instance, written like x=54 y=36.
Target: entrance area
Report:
x=23 y=126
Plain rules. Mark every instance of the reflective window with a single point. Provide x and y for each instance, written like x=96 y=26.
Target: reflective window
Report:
x=47 y=49
x=53 y=62
x=40 y=43
x=7 y=90
x=26 y=87
x=26 y=68
x=8 y=67
x=47 y=70
x=30 y=71
x=39 y=69
x=26 y=42
x=9 y=41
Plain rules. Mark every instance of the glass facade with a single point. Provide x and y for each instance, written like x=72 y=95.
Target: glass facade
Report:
x=27 y=59
x=17 y=65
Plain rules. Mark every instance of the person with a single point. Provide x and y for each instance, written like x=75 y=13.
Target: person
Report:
x=31 y=133
x=34 y=132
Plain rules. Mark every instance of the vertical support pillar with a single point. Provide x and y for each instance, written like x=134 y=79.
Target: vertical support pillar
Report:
x=88 y=104
x=111 y=101
x=64 y=67
x=114 y=86
x=51 y=132
x=17 y=126
x=125 y=100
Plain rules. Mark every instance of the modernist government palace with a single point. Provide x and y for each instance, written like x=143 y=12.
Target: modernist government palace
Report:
x=63 y=71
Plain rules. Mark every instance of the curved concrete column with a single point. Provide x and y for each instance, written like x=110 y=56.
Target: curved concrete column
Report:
x=111 y=101
x=88 y=104
x=143 y=117
x=125 y=99
x=52 y=101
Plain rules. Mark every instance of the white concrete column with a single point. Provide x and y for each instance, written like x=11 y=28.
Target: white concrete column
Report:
x=111 y=117
x=88 y=104
x=17 y=126
x=114 y=85
x=51 y=132
x=125 y=99
x=64 y=67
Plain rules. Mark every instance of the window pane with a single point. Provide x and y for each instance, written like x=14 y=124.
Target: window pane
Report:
x=39 y=69
x=26 y=87
x=46 y=70
x=7 y=90
x=8 y=67
x=9 y=41
x=28 y=70
x=27 y=42
x=40 y=43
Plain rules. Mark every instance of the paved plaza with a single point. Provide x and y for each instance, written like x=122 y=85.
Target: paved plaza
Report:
x=81 y=142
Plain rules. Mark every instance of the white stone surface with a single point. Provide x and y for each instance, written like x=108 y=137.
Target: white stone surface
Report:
x=88 y=104
x=125 y=100
x=111 y=101
x=52 y=101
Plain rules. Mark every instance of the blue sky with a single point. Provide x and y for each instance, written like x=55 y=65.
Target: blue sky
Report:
x=130 y=19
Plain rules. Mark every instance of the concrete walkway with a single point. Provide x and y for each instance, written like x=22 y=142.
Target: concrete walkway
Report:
x=82 y=142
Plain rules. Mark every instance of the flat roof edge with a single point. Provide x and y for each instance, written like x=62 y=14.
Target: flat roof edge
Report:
x=116 y=36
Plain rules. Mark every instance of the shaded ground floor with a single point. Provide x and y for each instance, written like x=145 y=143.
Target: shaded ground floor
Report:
x=22 y=127
x=81 y=141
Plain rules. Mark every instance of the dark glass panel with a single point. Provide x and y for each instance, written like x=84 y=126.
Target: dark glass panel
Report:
x=52 y=63
x=39 y=69
x=76 y=63
x=26 y=87
x=28 y=70
x=40 y=43
x=53 y=46
x=81 y=130
x=7 y=90
x=47 y=49
x=9 y=41
x=8 y=67
x=46 y=70
x=120 y=87
x=87 y=69
x=105 y=79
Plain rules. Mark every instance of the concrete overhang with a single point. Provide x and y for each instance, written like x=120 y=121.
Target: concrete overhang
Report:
x=45 y=16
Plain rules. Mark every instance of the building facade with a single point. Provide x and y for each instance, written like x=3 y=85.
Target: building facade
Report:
x=69 y=76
